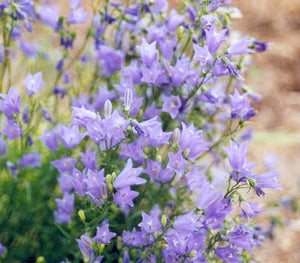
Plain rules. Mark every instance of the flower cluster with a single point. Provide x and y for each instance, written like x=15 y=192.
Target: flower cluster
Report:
x=132 y=129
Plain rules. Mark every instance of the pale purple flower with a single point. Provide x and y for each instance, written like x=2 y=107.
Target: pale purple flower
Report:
x=10 y=103
x=241 y=237
x=148 y=52
x=78 y=16
x=124 y=197
x=227 y=254
x=65 y=208
x=65 y=164
x=171 y=104
x=96 y=183
x=12 y=130
x=129 y=176
x=202 y=55
x=240 y=106
x=153 y=169
x=241 y=47
x=150 y=223
x=103 y=235
x=134 y=238
x=96 y=130
x=3 y=147
x=250 y=210
x=214 y=39
x=49 y=138
x=162 y=5
x=75 y=3
x=49 y=15
x=177 y=162
x=89 y=158
x=237 y=155
x=266 y=180
x=110 y=60
x=2 y=249
x=174 y=20
x=33 y=83
x=188 y=222
x=207 y=195
x=82 y=116
x=30 y=160
x=192 y=140
x=70 y=135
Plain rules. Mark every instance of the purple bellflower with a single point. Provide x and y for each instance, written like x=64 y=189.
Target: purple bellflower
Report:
x=240 y=106
x=10 y=103
x=110 y=60
x=227 y=254
x=49 y=15
x=65 y=208
x=78 y=16
x=33 y=83
x=103 y=235
x=89 y=159
x=148 y=52
x=65 y=164
x=129 y=176
x=31 y=160
x=177 y=162
x=150 y=223
x=70 y=135
x=12 y=130
x=171 y=105
x=124 y=197
x=214 y=39
x=49 y=138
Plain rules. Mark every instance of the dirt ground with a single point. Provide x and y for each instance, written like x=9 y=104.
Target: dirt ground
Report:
x=276 y=76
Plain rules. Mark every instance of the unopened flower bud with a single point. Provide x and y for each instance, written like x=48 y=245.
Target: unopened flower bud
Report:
x=252 y=182
x=110 y=187
x=128 y=99
x=101 y=247
x=158 y=158
x=192 y=253
x=176 y=136
x=162 y=244
x=186 y=152
x=175 y=179
x=82 y=215
x=107 y=109
x=108 y=178
x=164 y=220
x=40 y=259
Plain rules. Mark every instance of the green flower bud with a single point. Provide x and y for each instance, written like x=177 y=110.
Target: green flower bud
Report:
x=186 y=152
x=252 y=182
x=164 y=220
x=82 y=215
x=192 y=253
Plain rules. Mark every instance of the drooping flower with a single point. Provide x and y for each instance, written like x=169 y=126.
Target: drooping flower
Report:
x=11 y=103
x=12 y=130
x=31 y=160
